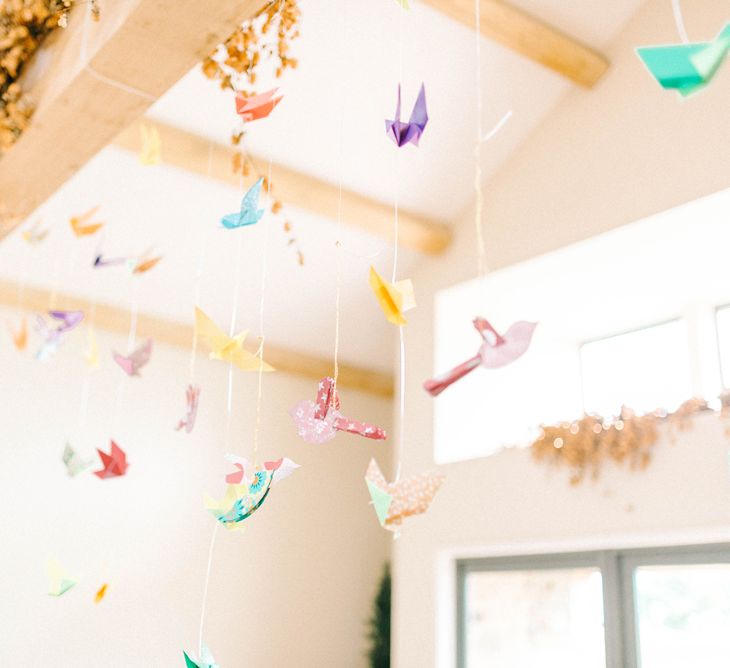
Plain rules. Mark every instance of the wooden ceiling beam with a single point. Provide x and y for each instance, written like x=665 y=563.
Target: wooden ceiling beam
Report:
x=92 y=80
x=530 y=37
x=190 y=152
x=117 y=321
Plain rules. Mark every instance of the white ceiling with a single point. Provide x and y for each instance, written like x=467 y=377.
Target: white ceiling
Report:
x=330 y=123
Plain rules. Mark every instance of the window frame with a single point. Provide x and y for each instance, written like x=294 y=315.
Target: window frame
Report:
x=621 y=632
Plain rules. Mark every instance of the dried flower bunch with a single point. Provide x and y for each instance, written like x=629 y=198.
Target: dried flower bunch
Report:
x=586 y=444
x=235 y=65
x=24 y=24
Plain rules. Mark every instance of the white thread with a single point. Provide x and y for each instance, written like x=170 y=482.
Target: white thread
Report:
x=679 y=20
x=401 y=404
x=493 y=132
x=205 y=589
x=479 y=201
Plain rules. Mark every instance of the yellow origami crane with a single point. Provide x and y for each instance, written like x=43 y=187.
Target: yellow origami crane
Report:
x=20 y=336
x=101 y=593
x=33 y=235
x=92 y=351
x=394 y=298
x=151 y=145
x=58 y=582
x=79 y=226
x=227 y=348
x=222 y=506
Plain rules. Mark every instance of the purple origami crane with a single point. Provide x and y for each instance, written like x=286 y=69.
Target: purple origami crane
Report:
x=403 y=133
x=67 y=320
x=496 y=351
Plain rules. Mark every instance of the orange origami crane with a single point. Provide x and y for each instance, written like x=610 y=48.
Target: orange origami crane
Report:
x=144 y=263
x=101 y=593
x=79 y=226
x=20 y=337
x=395 y=501
x=257 y=106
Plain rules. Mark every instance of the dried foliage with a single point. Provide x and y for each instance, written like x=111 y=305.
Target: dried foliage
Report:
x=24 y=24
x=265 y=38
x=585 y=445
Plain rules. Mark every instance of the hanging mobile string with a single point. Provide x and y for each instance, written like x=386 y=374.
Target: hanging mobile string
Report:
x=679 y=20
x=479 y=199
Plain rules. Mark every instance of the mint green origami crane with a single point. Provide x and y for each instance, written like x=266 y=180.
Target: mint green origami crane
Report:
x=686 y=67
x=206 y=660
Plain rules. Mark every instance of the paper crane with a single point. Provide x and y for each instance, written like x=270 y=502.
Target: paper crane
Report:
x=496 y=351
x=395 y=501
x=33 y=235
x=227 y=348
x=20 y=336
x=247 y=490
x=403 y=133
x=58 y=582
x=115 y=463
x=151 y=144
x=52 y=336
x=132 y=363
x=394 y=298
x=206 y=660
x=257 y=106
x=101 y=592
x=79 y=224
x=74 y=463
x=686 y=67
x=250 y=214
x=319 y=422
x=192 y=395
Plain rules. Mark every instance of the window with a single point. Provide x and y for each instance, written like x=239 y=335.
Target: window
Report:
x=644 y=369
x=654 y=608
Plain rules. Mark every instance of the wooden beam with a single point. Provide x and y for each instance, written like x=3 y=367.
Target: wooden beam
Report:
x=190 y=152
x=91 y=80
x=529 y=37
x=117 y=320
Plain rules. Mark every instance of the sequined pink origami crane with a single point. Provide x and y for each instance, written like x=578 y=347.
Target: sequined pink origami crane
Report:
x=192 y=395
x=496 y=351
x=318 y=422
x=257 y=106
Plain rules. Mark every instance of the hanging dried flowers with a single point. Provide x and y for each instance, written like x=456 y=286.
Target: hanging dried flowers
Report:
x=586 y=444
x=265 y=38
x=24 y=24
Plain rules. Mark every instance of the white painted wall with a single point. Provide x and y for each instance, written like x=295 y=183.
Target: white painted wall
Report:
x=294 y=589
x=603 y=158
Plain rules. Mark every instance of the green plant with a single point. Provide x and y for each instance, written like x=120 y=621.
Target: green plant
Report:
x=379 y=624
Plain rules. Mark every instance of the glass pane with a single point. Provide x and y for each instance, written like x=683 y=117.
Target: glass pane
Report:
x=722 y=317
x=683 y=615
x=644 y=370
x=524 y=619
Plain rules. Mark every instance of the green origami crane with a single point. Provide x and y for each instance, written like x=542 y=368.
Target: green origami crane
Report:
x=206 y=660
x=686 y=67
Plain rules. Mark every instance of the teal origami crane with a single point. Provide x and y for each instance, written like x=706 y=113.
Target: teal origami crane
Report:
x=686 y=67
x=250 y=214
x=206 y=660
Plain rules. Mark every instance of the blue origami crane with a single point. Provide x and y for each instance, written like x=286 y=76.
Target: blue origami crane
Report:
x=249 y=214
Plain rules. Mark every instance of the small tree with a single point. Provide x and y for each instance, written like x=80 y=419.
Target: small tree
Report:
x=379 y=624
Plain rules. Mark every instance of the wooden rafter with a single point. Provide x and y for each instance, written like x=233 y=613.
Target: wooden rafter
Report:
x=530 y=37
x=117 y=320
x=190 y=152
x=92 y=80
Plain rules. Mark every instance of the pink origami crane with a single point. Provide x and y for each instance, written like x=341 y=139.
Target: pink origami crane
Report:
x=132 y=363
x=257 y=106
x=115 y=463
x=403 y=133
x=192 y=395
x=318 y=422
x=496 y=351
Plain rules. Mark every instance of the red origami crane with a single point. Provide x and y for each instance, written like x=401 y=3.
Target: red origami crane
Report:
x=115 y=463
x=257 y=106
x=319 y=422
x=495 y=351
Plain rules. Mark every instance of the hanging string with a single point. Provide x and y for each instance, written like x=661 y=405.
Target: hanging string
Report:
x=205 y=588
x=86 y=66
x=479 y=199
x=262 y=337
x=679 y=20
x=199 y=272
x=131 y=336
